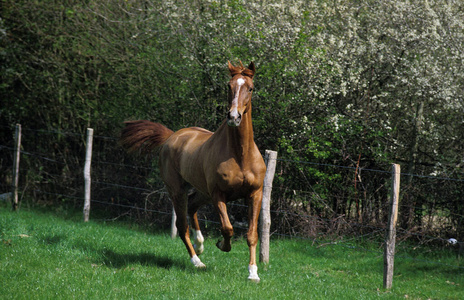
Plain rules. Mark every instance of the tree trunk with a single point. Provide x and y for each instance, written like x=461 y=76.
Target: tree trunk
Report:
x=408 y=216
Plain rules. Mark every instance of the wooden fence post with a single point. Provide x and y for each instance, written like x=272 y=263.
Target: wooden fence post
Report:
x=265 y=217
x=173 y=224
x=389 y=253
x=17 y=154
x=87 y=180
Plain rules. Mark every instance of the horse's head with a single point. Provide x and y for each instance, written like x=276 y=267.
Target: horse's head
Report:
x=240 y=90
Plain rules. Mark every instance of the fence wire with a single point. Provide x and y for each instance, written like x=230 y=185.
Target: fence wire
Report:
x=373 y=231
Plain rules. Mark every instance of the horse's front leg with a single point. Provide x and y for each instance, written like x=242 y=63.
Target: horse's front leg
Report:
x=226 y=228
x=254 y=208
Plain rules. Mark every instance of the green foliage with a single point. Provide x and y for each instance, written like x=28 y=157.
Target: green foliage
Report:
x=337 y=83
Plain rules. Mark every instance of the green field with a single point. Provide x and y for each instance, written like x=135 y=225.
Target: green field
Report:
x=46 y=255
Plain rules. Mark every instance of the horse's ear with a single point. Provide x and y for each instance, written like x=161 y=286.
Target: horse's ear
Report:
x=251 y=67
x=231 y=68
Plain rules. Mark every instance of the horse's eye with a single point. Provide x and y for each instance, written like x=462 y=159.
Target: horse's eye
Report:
x=250 y=89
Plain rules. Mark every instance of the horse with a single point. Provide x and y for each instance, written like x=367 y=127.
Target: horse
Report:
x=222 y=166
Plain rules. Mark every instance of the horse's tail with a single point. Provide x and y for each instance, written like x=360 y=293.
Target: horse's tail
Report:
x=143 y=135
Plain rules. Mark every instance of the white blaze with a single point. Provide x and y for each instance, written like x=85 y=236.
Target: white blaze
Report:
x=234 y=112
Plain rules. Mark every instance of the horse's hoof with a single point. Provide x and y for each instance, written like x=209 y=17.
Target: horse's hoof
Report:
x=253 y=271
x=254 y=280
x=197 y=263
x=198 y=249
x=220 y=244
x=199 y=240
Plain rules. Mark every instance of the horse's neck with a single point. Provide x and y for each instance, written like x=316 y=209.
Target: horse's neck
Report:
x=240 y=138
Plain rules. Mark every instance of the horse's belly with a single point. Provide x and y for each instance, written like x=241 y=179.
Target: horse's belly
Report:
x=195 y=176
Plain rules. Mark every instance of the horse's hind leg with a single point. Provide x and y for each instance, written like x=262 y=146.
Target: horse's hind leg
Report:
x=196 y=200
x=179 y=200
x=177 y=189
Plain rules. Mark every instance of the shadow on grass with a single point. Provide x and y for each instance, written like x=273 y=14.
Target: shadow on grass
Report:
x=114 y=259
x=110 y=256
x=53 y=239
x=418 y=267
x=121 y=260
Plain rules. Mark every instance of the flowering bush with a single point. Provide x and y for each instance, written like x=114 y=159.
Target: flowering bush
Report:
x=351 y=83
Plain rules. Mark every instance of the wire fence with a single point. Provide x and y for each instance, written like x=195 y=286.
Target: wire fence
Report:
x=129 y=186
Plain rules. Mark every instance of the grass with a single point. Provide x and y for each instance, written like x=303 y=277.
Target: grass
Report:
x=48 y=255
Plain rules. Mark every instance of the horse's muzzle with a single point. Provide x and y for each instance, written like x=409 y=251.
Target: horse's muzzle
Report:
x=234 y=120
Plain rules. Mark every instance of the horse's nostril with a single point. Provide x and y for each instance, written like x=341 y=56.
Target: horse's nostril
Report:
x=234 y=118
x=234 y=115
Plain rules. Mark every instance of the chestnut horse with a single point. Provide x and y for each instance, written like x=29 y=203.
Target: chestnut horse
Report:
x=221 y=166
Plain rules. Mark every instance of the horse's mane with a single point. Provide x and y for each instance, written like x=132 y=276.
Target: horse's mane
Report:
x=235 y=70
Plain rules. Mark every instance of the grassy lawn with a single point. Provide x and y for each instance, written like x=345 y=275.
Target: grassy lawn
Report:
x=47 y=255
